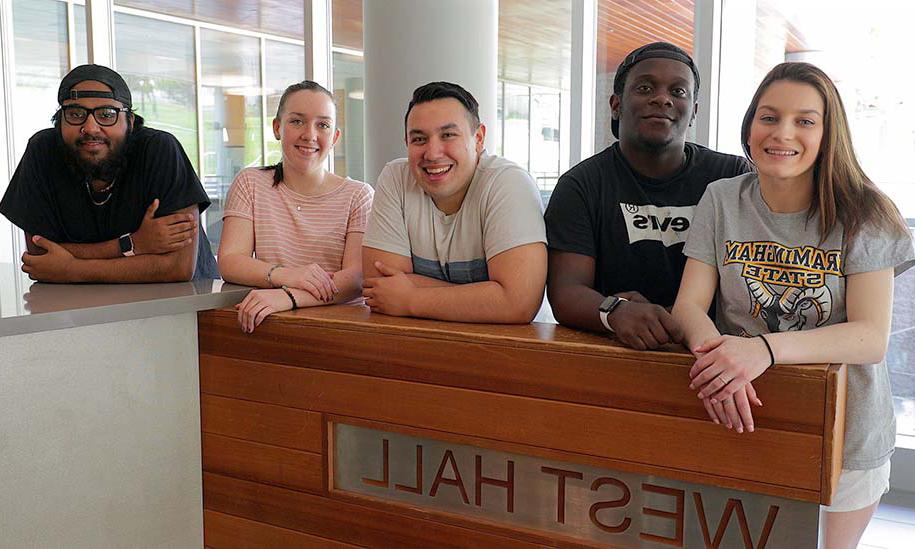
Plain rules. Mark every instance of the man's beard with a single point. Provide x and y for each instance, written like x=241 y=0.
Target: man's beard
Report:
x=107 y=169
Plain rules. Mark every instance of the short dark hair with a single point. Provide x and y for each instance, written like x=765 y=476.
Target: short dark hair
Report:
x=444 y=90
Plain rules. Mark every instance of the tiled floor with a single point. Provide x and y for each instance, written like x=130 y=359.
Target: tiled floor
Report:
x=893 y=526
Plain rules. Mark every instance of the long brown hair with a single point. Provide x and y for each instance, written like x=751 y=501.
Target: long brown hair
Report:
x=842 y=191
x=304 y=85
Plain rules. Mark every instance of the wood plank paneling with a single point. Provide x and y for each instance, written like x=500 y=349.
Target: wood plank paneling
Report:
x=347 y=522
x=269 y=399
x=223 y=531
x=834 y=438
x=257 y=422
x=263 y=463
x=574 y=367
x=616 y=434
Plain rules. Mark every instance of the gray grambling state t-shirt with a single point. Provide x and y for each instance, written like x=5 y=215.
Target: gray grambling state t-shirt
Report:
x=776 y=276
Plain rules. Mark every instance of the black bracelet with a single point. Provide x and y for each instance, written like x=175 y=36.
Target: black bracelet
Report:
x=768 y=348
x=296 y=305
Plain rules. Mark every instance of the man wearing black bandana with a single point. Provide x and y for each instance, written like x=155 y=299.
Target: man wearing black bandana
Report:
x=616 y=223
x=103 y=198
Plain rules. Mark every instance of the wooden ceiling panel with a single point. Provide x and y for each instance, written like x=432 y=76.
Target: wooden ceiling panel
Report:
x=535 y=43
x=347 y=31
x=624 y=25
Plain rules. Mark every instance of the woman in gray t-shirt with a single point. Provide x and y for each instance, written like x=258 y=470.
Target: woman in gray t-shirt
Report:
x=801 y=256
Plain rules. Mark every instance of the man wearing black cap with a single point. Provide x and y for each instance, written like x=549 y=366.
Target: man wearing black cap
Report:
x=102 y=198
x=616 y=223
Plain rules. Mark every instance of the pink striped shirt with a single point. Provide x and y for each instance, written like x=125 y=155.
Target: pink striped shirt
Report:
x=295 y=230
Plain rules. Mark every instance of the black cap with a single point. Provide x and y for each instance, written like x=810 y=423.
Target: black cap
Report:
x=119 y=90
x=664 y=50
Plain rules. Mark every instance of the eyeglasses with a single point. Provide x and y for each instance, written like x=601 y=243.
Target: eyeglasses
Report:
x=104 y=116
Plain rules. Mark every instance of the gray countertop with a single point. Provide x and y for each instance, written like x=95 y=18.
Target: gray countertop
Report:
x=29 y=307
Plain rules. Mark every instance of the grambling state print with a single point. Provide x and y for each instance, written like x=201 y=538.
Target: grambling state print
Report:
x=786 y=286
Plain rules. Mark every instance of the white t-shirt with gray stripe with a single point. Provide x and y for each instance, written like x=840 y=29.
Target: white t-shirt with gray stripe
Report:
x=501 y=210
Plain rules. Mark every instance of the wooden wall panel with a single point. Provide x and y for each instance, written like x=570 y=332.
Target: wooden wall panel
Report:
x=257 y=422
x=263 y=463
x=227 y=532
x=616 y=434
x=576 y=372
x=834 y=431
x=538 y=390
x=347 y=522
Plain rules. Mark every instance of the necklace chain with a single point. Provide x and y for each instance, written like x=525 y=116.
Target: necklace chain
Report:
x=105 y=190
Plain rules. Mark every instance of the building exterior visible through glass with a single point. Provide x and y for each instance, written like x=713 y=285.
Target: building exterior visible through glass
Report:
x=156 y=59
x=232 y=118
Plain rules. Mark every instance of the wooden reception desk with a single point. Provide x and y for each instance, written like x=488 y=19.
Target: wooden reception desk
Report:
x=332 y=426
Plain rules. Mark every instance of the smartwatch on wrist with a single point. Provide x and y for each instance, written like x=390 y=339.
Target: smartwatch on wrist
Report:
x=126 y=245
x=608 y=306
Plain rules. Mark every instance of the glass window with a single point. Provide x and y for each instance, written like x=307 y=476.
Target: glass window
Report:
x=545 y=152
x=623 y=27
x=349 y=95
x=81 y=39
x=495 y=134
x=232 y=119
x=516 y=127
x=285 y=65
x=535 y=72
x=156 y=58
x=758 y=35
x=41 y=59
x=276 y=17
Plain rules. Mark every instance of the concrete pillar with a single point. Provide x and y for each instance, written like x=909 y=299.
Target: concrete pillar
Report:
x=411 y=42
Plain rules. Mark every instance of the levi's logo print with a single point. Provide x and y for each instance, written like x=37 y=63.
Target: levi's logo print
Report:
x=666 y=224
x=786 y=286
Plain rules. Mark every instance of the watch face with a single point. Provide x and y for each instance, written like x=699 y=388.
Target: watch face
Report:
x=609 y=303
x=125 y=244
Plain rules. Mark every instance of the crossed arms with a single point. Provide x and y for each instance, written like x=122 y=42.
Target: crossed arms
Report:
x=512 y=295
x=309 y=285
x=166 y=249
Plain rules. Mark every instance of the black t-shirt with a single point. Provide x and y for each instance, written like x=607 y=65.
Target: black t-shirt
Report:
x=45 y=197
x=633 y=226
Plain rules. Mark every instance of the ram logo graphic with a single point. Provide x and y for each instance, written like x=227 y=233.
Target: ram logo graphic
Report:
x=794 y=309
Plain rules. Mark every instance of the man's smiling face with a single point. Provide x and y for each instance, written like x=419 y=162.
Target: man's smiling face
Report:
x=657 y=105
x=443 y=149
x=91 y=142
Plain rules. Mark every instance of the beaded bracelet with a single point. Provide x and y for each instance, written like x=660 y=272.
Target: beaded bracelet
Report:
x=291 y=297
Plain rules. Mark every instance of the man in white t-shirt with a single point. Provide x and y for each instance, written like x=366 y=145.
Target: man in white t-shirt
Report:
x=455 y=233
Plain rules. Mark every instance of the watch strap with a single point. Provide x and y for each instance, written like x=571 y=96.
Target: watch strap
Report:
x=125 y=243
x=605 y=320
x=606 y=310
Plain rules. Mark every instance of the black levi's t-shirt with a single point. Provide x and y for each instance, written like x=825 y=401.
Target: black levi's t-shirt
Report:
x=45 y=197
x=633 y=226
